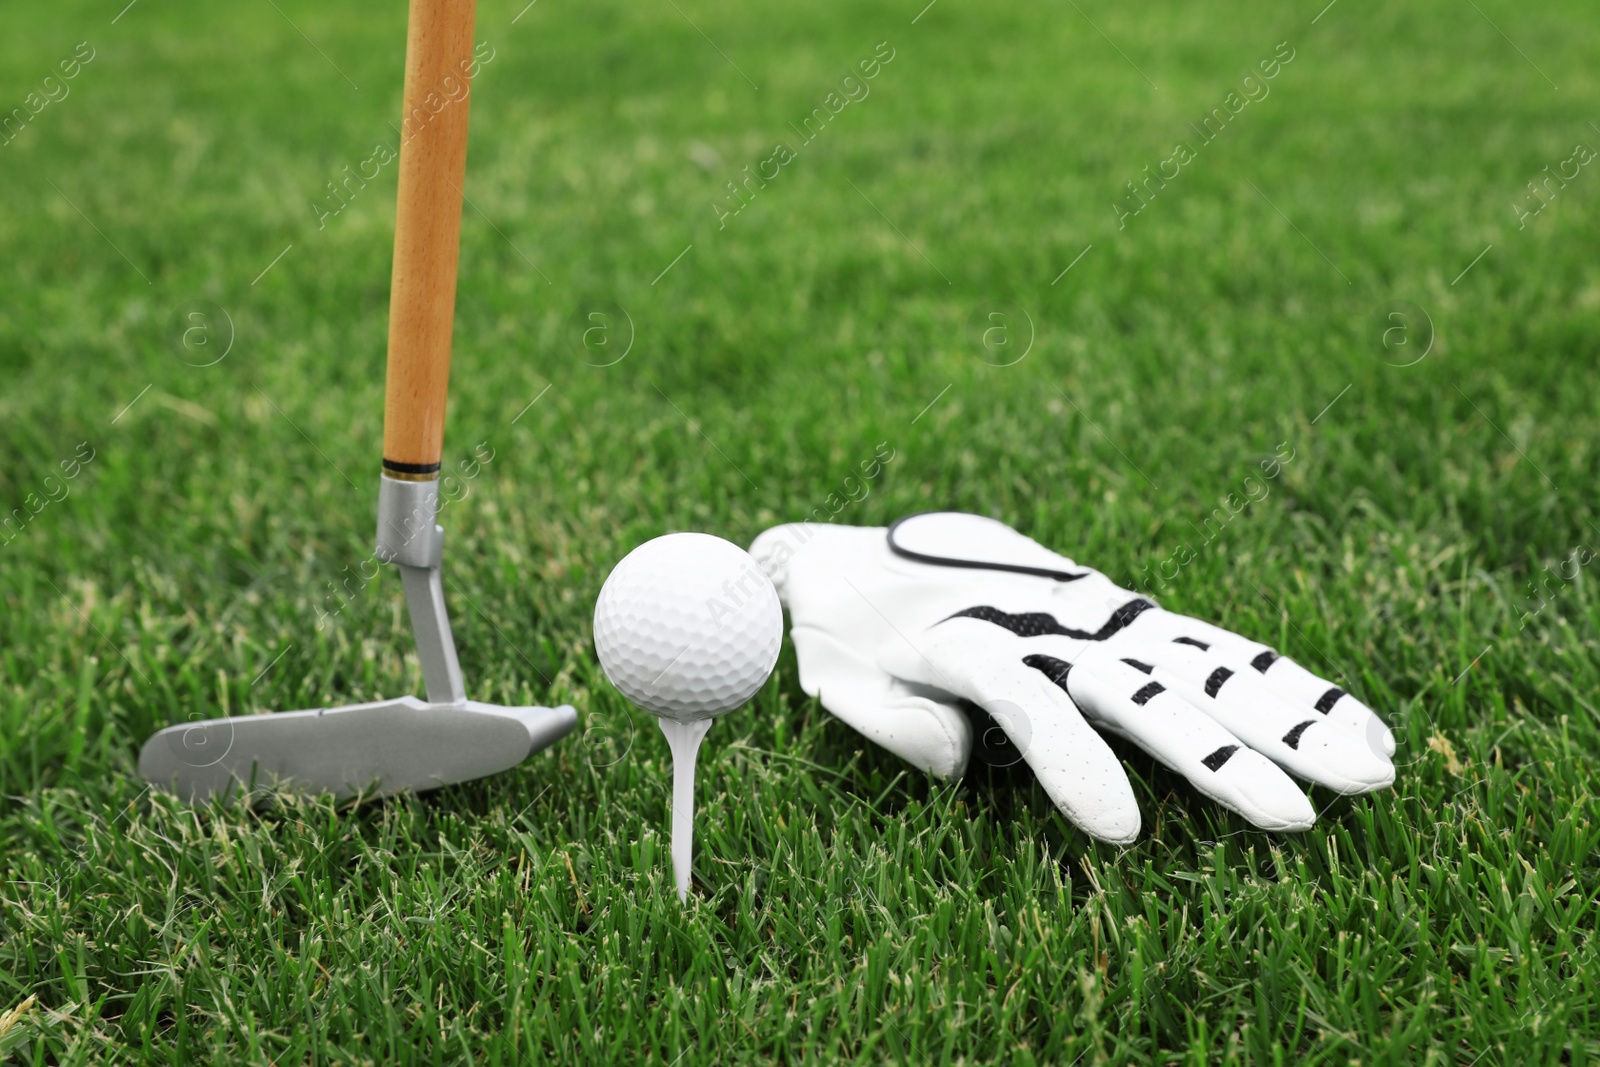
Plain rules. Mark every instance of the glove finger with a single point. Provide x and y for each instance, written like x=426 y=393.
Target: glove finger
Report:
x=1293 y=736
x=1131 y=703
x=926 y=732
x=1298 y=685
x=1291 y=681
x=1073 y=763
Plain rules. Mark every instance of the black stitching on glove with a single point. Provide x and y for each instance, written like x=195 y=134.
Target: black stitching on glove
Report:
x=1054 y=669
x=1143 y=696
x=1214 y=683
x=1329 y=699
x=1136 y=665
x=1201 y=645
x=973 y=564
x=1215 y=761
x=1292 y=738
x=1264 y=660
x=1040 y=624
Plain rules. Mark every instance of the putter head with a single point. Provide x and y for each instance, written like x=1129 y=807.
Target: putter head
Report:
x=385 y=747
x=388 y=746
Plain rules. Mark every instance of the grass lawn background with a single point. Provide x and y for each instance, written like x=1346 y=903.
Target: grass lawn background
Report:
x=846 y=907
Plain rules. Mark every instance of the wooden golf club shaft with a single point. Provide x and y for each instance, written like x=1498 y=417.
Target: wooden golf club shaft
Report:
x=427 y=235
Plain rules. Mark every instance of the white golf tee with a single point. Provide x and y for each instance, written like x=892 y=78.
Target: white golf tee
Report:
x=684 y=739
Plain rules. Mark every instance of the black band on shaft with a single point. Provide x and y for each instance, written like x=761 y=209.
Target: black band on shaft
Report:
x=410 y=468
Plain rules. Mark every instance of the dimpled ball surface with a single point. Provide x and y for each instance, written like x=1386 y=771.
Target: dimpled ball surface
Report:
x=688 y=626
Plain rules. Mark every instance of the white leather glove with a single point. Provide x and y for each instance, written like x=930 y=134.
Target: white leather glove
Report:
x=895 y=627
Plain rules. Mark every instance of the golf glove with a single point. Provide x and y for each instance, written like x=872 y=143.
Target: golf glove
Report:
x=895 y=628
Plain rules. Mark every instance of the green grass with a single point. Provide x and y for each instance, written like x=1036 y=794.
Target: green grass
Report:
x=845 y=908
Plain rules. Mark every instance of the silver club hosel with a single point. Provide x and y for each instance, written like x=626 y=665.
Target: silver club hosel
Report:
x=410 y=538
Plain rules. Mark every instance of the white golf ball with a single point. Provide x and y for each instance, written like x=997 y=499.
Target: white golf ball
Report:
x=688 y=626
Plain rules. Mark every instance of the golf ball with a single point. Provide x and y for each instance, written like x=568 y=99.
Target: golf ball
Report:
x=688 y=626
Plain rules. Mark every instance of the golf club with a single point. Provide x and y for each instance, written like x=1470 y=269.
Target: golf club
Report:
x=392 y=746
